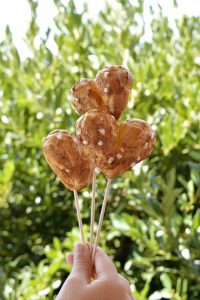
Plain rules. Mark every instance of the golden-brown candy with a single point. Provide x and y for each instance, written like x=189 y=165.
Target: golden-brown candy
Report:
x=65 y=157
x=114 y=84
x=111 y=147
x=109 y=91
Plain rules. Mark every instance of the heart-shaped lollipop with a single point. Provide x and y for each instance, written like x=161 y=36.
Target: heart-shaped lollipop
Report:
x=109 y=91
x=111 y=147
x=65 y=157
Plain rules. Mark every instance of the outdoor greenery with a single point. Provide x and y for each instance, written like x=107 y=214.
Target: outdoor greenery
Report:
x=152 y=223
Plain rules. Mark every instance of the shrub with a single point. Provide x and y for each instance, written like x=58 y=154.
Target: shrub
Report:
x=152 y=223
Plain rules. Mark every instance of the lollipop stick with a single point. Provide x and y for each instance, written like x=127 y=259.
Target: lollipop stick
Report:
x=92 y=209
x=101 y=218
x=79 y=216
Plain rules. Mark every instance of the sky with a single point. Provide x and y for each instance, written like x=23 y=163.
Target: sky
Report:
x=16 y=14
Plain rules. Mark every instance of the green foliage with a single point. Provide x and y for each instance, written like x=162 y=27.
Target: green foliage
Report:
x=152 y=223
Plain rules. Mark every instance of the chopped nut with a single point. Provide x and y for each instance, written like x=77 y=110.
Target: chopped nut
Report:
x=100 y=143
x=59 y=136
x=83 y=81
x=102 y=131
x=119 y=156
x=145 y=146
x=152 y=135
x=97 y=170
x=111 y=160
x=85 y=142
x=106 y=74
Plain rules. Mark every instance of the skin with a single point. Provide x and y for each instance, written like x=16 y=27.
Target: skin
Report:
x=107 y=283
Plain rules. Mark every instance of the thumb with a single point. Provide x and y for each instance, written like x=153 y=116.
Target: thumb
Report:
x=82 y=267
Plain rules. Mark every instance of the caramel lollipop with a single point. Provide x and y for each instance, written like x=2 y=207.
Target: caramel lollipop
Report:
x=65 y=157
x=97 y=131
x=113 y=148
x=109 y=91
x=114 y=84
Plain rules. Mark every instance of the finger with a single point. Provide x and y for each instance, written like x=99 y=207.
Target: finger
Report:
x=82 y=263
x=70 y=258
x=104 y=267
x=125 y=284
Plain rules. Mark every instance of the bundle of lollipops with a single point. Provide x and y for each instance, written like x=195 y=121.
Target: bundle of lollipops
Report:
x=101 y=144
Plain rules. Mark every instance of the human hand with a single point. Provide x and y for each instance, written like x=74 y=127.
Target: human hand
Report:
x=107 y=285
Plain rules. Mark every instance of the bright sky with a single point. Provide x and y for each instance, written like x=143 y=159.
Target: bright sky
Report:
x=16 y=13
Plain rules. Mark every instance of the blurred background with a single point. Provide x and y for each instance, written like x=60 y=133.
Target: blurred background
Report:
x=152 y=224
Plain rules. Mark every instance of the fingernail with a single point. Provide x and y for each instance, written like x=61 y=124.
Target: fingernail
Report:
x=79 y=248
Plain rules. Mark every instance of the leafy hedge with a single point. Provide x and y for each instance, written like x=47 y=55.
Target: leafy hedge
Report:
x=152 y=223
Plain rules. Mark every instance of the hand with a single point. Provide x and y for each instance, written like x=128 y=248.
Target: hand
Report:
x=108 y=284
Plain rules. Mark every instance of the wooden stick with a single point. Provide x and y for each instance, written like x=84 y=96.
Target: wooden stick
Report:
x=101 y=218
x=79 y=216
x=93 y=209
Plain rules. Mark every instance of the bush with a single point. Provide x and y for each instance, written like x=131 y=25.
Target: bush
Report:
x=152 y=223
